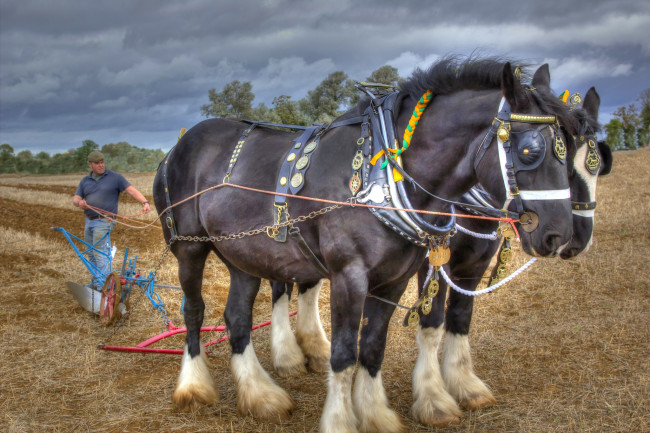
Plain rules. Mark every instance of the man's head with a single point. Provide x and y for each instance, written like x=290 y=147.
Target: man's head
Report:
x=96 y=162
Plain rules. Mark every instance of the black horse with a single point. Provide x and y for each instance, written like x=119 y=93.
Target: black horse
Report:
x=438 y=394
x=362 y=253
x=471 y=257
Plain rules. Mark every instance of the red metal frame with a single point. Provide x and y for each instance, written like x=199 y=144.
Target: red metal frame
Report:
x=173 y=330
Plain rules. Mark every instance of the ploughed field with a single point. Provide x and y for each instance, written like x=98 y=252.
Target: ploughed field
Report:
x=564 y=347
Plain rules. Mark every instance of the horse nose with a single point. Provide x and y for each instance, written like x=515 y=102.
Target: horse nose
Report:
x=552 y=241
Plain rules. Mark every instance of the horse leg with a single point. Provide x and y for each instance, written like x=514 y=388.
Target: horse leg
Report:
x=457 y=369
x=369 y=398
x=195 y=385
x=432 y=405
x=288 y=359
x=257 y=394
x=347 y=294
x=309 y=329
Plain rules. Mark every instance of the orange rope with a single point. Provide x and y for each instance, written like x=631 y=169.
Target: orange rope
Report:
x=102 y=212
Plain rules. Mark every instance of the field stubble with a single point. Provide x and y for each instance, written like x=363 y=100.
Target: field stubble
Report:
x=564 y=347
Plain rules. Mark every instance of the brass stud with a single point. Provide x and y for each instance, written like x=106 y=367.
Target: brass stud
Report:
x=503 y=134
x=526 y=151
x=291 y=157
x=283 y=181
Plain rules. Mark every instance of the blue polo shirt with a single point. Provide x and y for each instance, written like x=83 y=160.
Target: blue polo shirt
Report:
x=102 y=192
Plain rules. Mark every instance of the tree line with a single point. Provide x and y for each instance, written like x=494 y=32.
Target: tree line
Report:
x=630 y=126
x=628 y=129
x=120 y=157
x=335 y=94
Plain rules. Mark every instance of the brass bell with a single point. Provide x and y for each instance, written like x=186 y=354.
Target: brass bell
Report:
x=503 y=133
x=439 y=255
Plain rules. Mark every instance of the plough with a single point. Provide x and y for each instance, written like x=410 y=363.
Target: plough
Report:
x=112 y=303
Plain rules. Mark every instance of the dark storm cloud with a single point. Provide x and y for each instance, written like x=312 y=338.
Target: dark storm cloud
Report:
x=139 y=70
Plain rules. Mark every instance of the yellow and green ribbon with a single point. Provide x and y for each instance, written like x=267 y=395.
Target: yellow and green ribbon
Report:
x=408 y=133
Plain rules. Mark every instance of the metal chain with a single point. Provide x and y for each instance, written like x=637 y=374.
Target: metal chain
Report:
x=241 y=235
x=266 y=229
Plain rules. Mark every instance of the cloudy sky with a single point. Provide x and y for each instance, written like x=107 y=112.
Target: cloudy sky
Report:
x=139 y=70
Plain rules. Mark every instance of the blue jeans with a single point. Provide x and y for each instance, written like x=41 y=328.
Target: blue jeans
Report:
x=96 y=234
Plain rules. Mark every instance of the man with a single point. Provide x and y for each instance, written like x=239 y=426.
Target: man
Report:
x=101 y=189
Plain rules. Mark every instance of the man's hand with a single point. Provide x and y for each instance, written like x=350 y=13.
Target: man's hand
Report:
x=146 y=207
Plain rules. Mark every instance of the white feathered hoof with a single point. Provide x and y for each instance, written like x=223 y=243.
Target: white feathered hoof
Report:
x=286 y=366
x=478 y=401
x=371 y=405
x=316 y=350
x=469 y=391
x=195 y=385
x=426 y=412
x=338 y=415
x=257 y=394
x=288 y=359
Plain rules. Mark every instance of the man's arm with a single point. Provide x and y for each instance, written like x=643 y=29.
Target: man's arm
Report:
x=79 y=202
x=139 y=197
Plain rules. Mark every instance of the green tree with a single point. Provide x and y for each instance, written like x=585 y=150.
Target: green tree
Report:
x=385 y=75
x=25 y=162
x=614 y=130
x=80 y=156
x=234 y=100
x=324 y=102
x=288 y=111
x=7 y=159
x=644 y=129
x=42 y=162
x=262 y=113
x=630 y=120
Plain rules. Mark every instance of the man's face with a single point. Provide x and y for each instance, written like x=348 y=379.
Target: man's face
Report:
x=98 y=168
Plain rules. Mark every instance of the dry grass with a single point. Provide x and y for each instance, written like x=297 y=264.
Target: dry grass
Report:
x=564 y=347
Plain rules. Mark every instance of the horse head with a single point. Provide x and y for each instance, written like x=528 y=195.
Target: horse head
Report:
x=532 y=154
x=593 y=158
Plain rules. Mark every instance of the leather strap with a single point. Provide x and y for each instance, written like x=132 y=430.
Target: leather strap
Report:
x=296 y=236
x=169 y=219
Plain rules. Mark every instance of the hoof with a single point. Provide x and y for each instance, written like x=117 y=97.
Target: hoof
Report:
x=388 y=423
x=477 y=402
x=445 y=412
x=194 y=395
x=319 y=364
x=257 y=394
x=287 y=370
x=273 y=406
x=195 y=385
x=434 y=417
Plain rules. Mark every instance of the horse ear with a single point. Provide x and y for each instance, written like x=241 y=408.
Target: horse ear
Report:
x=591 y=103
x=608 y=157
x=542 y=77
x=510 y=86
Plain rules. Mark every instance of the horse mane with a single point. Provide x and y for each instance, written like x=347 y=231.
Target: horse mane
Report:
x=584 y=118
x=454 y=73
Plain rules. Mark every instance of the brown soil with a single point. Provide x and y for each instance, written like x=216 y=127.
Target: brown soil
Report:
x=564 y=348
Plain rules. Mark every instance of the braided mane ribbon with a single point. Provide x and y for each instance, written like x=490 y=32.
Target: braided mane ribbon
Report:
x=408 y=133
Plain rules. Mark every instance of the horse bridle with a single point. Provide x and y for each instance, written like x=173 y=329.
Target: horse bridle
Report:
x=593 y=164
x=512 y=162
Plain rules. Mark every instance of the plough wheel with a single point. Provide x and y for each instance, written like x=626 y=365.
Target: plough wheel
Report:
x=111 y=295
